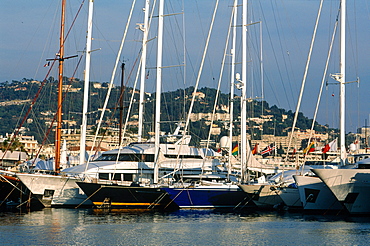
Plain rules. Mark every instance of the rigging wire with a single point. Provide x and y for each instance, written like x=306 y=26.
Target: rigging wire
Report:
x=42 y=84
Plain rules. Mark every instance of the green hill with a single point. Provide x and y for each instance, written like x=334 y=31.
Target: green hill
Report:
x=16 y=98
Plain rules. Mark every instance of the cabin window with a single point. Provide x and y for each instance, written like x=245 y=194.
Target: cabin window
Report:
x=48 y=193
x=184 y=156
x=127 y=157
x=107 y=157
x=104 y=176
x=128 y=177
x=117 y=176
x=363 y=166
x=148 y=158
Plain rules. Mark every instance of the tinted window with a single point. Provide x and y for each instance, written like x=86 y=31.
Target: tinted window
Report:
x=127 y=157
x=117 y=176
x=128 y=177
x=104 y=176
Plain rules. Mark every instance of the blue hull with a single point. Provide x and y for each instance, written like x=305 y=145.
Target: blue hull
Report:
x=208 y=197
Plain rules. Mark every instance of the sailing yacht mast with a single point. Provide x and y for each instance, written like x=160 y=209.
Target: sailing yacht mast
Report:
x=86 y=83
x=158 y=87
x=342 y=79
x=235 y=11
x=243 y=133
x=145 y=30
x=58 y=131
x=120 y=140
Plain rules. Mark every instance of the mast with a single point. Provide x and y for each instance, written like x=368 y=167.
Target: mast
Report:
x=145 y=30
x=86 y=83
x=121 y=104
x=235 y=10
x=158 y=87
x=58 y=131
x=243 y=136
x=342 y=79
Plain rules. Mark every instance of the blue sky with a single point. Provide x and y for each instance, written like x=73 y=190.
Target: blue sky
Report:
x=29 y=32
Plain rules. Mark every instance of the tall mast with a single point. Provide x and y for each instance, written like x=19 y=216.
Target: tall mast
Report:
x=158 y=87
x=86 y=83
x=121 y=104
x=243 y=123
x=145 y=30
x=342 y=79
x=235 y=11
x=58 y=131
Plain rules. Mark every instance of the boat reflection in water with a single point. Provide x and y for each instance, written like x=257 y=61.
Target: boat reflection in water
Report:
x=182 y=227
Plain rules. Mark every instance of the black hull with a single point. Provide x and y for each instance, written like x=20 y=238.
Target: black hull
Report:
x=127 y=197
x=209 y=198
x=15 y=195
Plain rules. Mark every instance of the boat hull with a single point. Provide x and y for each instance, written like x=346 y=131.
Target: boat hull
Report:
x=350 y=186
x=13 y=194
x=315 y=195
x=264 y=196
x=290 y=197
x=127 y=197
x=55 y=190
x=209 y=197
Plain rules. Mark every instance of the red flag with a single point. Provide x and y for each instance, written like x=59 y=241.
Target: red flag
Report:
x=255 y=149
x=326 y=148
x=294 y=152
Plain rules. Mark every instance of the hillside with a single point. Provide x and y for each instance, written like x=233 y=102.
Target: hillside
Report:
x=16 y=98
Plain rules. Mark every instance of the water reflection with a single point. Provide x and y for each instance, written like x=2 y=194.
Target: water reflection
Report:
x=183 y=227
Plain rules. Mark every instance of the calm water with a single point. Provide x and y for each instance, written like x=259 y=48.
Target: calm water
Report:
x=185 y=227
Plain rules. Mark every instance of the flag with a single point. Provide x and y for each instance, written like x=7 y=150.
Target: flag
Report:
x=268 y=150
x=333 y=145
x=326 y=148
x=255 y=149
x=310 y=148
x=47 y=64
x=235 y=150
x=294 y=152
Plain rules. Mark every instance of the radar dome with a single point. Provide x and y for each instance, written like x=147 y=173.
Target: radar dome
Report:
x=224 y=142
x=352 y=147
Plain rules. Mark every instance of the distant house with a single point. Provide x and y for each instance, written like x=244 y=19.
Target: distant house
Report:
x=96 y=85
x=199 y=95
x=69 y=88
x=20 y=89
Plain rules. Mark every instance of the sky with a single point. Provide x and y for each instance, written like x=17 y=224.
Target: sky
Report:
x=29 y=35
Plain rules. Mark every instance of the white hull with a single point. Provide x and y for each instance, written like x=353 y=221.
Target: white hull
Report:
x=54 y=190
x=350 y=186
x=315 y=195
x=290 y=197
x=264 y=196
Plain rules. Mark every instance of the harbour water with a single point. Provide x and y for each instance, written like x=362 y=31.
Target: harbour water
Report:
x=183 y=227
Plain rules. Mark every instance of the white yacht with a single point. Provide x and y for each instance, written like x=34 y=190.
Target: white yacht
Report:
x=350 y=186
x=131 y=164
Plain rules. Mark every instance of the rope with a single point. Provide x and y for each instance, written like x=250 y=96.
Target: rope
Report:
x=7 y=196
x=1 y=176
x=88 y=197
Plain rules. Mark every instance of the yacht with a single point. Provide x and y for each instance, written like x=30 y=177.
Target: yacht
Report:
x=132 y=164
x=350 y=186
